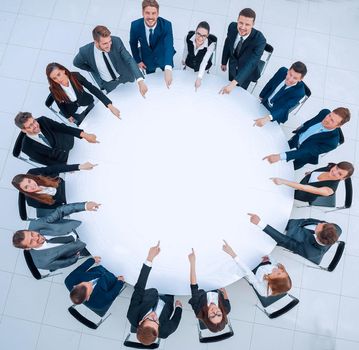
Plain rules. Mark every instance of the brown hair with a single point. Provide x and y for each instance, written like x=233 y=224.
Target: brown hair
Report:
x=299 y=67
x=248 y=12
x=343 y=113
x=343 y=166
x=203 y=316
x=57 y=92
x=146 y=335
x=18 y=238
x=21 y=118
x=100 y=31
x=78 y=294
x=278 y=285
x=41 y=181
x=152 y=3
x=328 y=235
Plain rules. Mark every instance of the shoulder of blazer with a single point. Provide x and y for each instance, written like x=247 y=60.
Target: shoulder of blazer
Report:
x=164 y=22
x=137 y=23
x=87 y=48
x=116 y=41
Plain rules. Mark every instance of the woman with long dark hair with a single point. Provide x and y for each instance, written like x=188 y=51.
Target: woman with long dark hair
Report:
x=319 y=182
x=43 y=188
x=210 y=307
x=67 y=89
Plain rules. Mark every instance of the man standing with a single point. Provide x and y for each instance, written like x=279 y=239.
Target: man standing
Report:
x=46 y=141
x=109 y=61
x=316 y=136
x=282 y=92
x=51 y=240
x=151 y=41
x=242 y=51
x=309 y=238
x=95 y=286
x=150 y=312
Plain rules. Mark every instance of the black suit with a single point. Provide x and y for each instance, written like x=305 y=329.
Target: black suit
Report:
x=244 y=67
x=144 y=300
x=310 y=149
x=52 y=171
x=60 y=137
x=69 y=108
x=300 y=240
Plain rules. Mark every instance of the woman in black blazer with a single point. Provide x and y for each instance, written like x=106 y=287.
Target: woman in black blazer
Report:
x=210 y=307
x=319 y=182
x=43 y=188
x=67 y=89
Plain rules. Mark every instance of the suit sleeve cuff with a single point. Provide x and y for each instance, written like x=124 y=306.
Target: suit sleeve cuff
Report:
x=168 y=67
x=261 y=225
x=270 y=117
x=283 y=156
x=139 y=79
x=148 y=263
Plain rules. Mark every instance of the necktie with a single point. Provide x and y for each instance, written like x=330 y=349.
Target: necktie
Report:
x=61 y=239
x=112 y=73
x=238 y=47
x=150 y=38
x=43 y=138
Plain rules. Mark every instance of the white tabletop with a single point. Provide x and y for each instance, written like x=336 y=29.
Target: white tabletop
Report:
x=185 y=168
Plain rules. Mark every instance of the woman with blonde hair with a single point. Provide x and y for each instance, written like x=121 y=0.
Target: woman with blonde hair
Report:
x=268 y=279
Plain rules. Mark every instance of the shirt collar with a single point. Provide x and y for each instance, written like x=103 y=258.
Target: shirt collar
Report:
x=148 y=28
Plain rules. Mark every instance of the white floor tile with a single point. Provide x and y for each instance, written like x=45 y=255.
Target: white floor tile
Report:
x=352 y=247
x=13 y=64
x=42 y=8
x=27 y=298
x=279 y=339
x=96 y=14
x=212 y=6
x=29 y=31
x=236 y=6
x=309 y=341
x=10 y=219
x=346 y=345
x=90 y=342
x=8 y=253
x=68 y=10
x=341 y=53
x=5 y=278
x=281 y=11
x=318 y=312
x=11 y=102
x=7 y=22
x=10 y=336
x=57 y=339
x=347 y=325
x=350 y=286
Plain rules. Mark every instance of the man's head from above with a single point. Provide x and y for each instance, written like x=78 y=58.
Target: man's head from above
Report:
x=147 y=330
x=336 y=118
x=295 y=73
x=81 y=292
x=150 y=12
x=102 y=38
x=26 y=239
x=326 y=233
x=246 y=21
x=26 y=122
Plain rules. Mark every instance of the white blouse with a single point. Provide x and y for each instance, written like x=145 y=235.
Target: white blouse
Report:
x=314 y=176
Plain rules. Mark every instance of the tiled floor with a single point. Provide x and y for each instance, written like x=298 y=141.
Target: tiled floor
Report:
x=322 y=33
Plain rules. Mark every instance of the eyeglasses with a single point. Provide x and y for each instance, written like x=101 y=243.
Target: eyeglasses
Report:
x=203 y=36
x=213 y=315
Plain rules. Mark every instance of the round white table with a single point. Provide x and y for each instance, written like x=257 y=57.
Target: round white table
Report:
x=185 y=168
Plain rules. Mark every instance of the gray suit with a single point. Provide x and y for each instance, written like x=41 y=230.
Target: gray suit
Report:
x=123 y=62
x=300 y=240
x=62 y=255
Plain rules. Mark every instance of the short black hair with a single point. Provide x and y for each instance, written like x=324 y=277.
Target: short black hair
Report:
x=203 y=25
x=300 y=68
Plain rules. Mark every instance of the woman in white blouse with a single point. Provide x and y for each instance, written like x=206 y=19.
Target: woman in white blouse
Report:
x=67 y=89
x=199 y=47
x=269 y=280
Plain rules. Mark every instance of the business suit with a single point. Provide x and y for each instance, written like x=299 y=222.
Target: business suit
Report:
x=60 y=137
x=313 y=146
x=243 y=68
x=52 y=171
x=83 y=98
x=120 y=58
x=107 y=288
x=162 y=51
x=143 y=300
x=283 y=100
x=300 y=240
x=54 y=224
x=199 y=299
x=310 y=197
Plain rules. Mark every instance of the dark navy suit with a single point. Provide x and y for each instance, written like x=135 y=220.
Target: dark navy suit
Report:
x=313 y=146
x=243 y=68
x=162 y=51
x=283 y=100
x=106 y=290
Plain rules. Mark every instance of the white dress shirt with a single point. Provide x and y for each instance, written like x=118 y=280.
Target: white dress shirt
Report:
x=212 y=298
x=37 y=139
x=47 y=245
x=101 y=65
